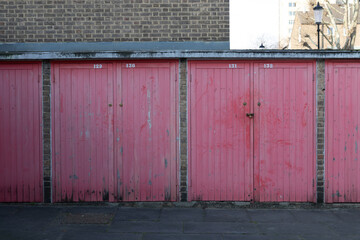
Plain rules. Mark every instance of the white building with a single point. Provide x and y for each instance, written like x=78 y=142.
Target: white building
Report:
x=287 y=12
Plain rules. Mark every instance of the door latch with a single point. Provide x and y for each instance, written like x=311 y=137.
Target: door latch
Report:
x=250 y=115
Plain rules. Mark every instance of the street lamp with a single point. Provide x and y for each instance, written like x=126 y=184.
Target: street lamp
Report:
x=318 y=13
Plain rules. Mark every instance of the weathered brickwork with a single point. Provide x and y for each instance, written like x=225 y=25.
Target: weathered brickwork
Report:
x=183 y=130
x=46 y=130
x=320 y=123
x=113 y=20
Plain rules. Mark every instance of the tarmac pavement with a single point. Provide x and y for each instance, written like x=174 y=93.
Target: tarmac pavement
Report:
x=110 y=222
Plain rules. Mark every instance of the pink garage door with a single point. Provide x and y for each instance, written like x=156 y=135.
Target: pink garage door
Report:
x=342 y=138
x=251 y=131
x=114 y=131
x=284 y=132
x=146 y=130
x=82 y=131
x=220 y=166
x=20 y=133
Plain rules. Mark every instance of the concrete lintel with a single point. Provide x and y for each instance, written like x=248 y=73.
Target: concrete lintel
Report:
x=227 y=54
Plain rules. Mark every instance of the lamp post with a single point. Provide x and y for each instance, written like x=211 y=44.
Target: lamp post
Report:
x=318 y=13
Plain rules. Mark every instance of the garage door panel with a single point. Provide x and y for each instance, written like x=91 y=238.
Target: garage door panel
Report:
x=147 y=164
x=342 y=121
x=219 y=156
x=82 y=139
x=20 y=133
x=284 y=123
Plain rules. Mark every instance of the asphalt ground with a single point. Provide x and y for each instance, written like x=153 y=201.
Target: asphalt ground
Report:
x=110 y=222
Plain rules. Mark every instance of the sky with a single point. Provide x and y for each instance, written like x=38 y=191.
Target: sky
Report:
x=251 y=20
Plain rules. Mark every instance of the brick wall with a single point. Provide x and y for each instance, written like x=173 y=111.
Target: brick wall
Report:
x=46 y=68
x=183 y=130
x=320 y=128
x=113 y=20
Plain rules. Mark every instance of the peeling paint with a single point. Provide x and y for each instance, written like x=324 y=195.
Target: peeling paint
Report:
x=150 y=183
x=149 y=112
x=338 y=194
x=168 y=132
x=87 y=134
x=117 y=139
x=356 y=147
x=166 y=162
x=73 y=177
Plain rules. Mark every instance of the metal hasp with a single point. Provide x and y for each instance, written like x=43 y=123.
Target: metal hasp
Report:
x=250 y=115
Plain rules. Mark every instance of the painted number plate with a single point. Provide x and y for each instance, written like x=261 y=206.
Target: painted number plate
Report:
x=268 y=65
x=130 y=65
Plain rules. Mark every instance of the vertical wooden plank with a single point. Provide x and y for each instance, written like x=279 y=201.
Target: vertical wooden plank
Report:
x=249 y=139
x=3 y=156
x=217 y=135
x=31 y=165
x=211 y=130
x=110 y=170
x=286 y=135
x=257 y=88
x=38 y=146
x=164 y=83
x=173 y=128
x=336 y=141
x=357 y=140
x=85 y=179
x=118 y=98
x=329 y=132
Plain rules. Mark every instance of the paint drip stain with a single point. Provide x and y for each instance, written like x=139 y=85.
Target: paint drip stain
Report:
x=356 y=147
x=149 y=112
x=73 y=177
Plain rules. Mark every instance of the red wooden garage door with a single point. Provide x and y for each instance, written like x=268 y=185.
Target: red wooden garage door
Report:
x=342 y=138
x=146 y=130
x=20 y=133
x=251 y=131
x=219 y=132
x=114 y=131
x=82 y=127
x=284 y=132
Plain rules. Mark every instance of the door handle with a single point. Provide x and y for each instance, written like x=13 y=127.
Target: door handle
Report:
x=250 y=115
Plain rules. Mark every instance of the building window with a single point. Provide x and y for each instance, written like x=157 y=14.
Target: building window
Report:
x=299 y=34
x=292 y=4
x=291 y=21
x=330 y=31
x=291 y=13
